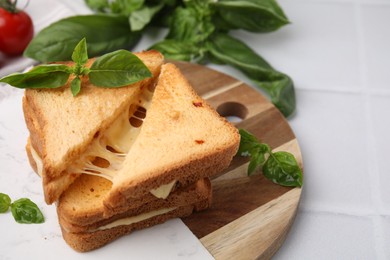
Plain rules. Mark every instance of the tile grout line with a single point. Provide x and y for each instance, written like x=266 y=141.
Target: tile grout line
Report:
x=341 y=212
x=374 y=182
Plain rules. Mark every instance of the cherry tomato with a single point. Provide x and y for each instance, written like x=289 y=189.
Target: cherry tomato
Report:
x=16 y=31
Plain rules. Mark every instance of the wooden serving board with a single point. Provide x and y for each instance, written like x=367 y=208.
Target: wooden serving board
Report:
x=250 y=216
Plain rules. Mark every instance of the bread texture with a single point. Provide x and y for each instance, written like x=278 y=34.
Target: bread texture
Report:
x=182 y=138
x=81 y=206
x=87 y=241
x=101 y=167
x=62 y=126
x=94 y=235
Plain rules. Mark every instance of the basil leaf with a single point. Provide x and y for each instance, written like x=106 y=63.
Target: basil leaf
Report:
x=80 y=55
x=97 y=5
x=248 y=142
x=282 y=92
x=176 y=50
x=26 y=212
x=43 y=76
x=142 y=17
x=5 y=202
x=104 y=33
x=250 y=146
x=283 y=169
x=125 y=7
x=257 y=160
x=183 y=26
x=250 y=15
x=280 y=167
x=75 y=86
x=118 y=68
x=227 y=50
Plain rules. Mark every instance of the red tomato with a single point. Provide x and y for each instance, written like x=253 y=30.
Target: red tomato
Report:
x=16 y=31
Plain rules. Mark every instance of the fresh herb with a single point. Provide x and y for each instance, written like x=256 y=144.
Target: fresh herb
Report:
x=26 y=212
x=5 y=202
x=23 y=210
x=198 y=31
x=115 y=69
x=279 y=167
x=105 y=33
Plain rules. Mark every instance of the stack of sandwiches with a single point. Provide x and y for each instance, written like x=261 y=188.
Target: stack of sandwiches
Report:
x=121 y=159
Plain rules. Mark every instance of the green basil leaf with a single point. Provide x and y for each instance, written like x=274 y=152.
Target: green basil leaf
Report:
x=118 y=68
x=282 y=92
x=228 y=50
x=283 y=169
x=75 y=86
x=248 y=142
x=192 y=23
x=43 y=76
x=257 y=160
x=5 y=202
x=80 y=55
x=176 y=50
x=142 y=17
x=183 y=25
x=98 y=5
x=125 y=7
x=26 y=212
x=104 y=33
x=250 y=15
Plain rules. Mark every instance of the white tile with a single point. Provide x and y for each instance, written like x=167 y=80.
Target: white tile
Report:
x=375 y=26
x=386 y=236
x=329 y=236
x=318 y=49
x=330 y=130
x=380 y=113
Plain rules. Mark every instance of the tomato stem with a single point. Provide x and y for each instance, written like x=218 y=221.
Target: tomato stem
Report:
x=9 y=5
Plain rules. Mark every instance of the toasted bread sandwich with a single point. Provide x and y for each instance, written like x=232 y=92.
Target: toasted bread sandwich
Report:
x=149 y=159
x=84 y=232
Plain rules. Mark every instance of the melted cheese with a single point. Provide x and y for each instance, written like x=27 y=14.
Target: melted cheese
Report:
x=113 y=145
x=119 y=137
x=163 y=191
x=38 y=160
x=135 y=219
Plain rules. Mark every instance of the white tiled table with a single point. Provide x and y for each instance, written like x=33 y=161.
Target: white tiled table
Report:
x=338 y=54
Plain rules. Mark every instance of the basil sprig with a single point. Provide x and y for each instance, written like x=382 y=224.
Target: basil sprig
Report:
x=115 y=69
x=279 y=167
x=23 y=210
x=198 y=31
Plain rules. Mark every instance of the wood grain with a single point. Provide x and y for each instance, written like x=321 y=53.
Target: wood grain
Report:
x=250 y=216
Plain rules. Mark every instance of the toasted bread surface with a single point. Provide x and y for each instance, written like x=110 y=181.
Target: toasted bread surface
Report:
x=80 y=209
x=87 y=241
x=182 y=138
x=62 y=126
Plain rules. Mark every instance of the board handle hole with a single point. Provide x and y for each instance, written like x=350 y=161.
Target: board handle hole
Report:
x=234 y=112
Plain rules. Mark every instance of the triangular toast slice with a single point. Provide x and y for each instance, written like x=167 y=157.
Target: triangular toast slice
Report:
x=62 y=126
x=182 y=140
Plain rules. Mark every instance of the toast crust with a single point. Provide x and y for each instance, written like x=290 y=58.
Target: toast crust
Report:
x=87 y=241
x=51 y=114
x=81 y=218
x=192 y=141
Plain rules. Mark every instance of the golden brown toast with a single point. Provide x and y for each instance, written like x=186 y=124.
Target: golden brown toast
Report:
x=182 y=139
x=80 y=209
x=62 y=126
x=96 y=234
